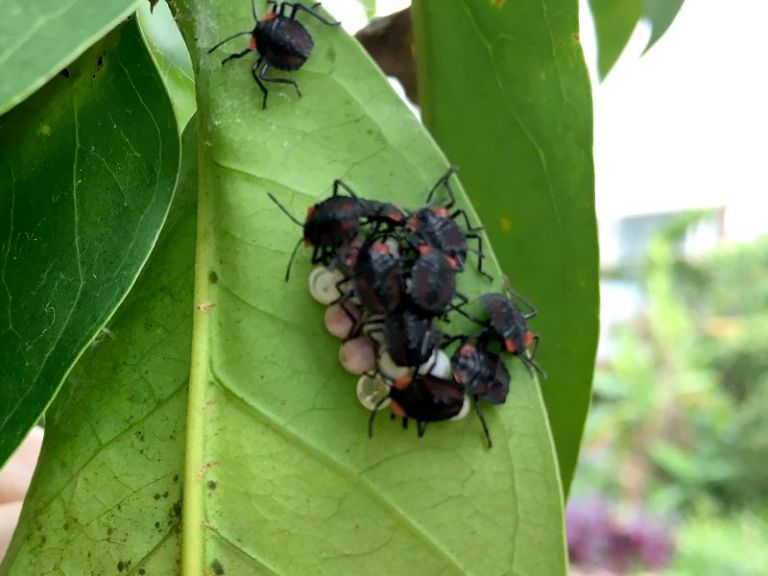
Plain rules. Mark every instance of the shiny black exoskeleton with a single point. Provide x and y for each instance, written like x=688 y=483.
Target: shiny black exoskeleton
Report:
x=485 y=377
x=409 y=338
x=424 y=398
x=377 y=279
x=281 y=42
x=436 y=227
x=432 y=285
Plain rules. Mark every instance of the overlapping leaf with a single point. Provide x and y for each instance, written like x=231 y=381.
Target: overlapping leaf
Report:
x=517 y=117
x=87 y=169
x=615 y=21
x=37 y=39
x=106 y=497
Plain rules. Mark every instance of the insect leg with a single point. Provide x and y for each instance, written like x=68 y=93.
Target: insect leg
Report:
x=256 y=76
x=296 y=6
x=480 y=415
x=341 y=184
x=266 y=78
x=443 y=181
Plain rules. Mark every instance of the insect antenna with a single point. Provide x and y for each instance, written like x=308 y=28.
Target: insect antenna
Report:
x=285 y=210
x=228 y=38
x=290 y=260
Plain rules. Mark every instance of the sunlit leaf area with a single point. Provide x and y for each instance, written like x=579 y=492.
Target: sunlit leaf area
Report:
x=383 y=287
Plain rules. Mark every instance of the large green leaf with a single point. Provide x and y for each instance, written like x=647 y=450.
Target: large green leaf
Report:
x=280 y=477
x=106 y=494
x=87 y=169
x=37 y=39
x=521 y=130
x=615 y=20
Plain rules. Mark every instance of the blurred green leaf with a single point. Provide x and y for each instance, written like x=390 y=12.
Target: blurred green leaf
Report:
x=615 y=20
x=660 y=14
x=87 y=169
x=517 y=117
x=370 y=7
x=37 y=39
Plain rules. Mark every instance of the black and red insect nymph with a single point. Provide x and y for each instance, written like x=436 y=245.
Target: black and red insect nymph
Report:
x=280 y=41
x=436 y=227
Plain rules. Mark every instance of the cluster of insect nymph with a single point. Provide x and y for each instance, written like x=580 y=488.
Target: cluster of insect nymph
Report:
x=392 y=275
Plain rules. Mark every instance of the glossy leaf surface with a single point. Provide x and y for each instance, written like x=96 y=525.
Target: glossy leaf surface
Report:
x=38 y=39
x=517 y=118
x=87 y=169
x=106 y=497
x=269 y=403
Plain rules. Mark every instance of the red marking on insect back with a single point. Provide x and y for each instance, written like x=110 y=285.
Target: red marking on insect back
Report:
x=424 y=249
x=441 y=211
x=252 y=43
x=458 y=375
x=397 y=410
x=412 y=224
x=380 y=247
x=466 y=350
x=510 y=345
x=403 y=382
x=268 y=17
x=452 y=262
x=528 y=339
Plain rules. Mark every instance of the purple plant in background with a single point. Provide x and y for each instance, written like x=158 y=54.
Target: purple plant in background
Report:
x=598 y=540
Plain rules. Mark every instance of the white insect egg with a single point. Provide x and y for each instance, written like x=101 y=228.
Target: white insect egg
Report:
x=394 y=247
x=464 y=409
x=322 y=284
x=387 y=366
x=370 y=392
x=438 y=365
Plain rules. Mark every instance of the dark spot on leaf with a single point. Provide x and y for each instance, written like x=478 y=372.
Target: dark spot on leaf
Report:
x=120 y=566
x=157 y=496
x=213 y=277
x=212 y=484
x=66 y=526
x=157 y=524
x=100 y=62
x=175 y=477
x=65 y=72
x=216 y=566
x=109 y=531
x=165 y=494
x=142 y=571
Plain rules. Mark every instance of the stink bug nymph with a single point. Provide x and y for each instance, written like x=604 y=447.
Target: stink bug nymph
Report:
x=280 y=41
